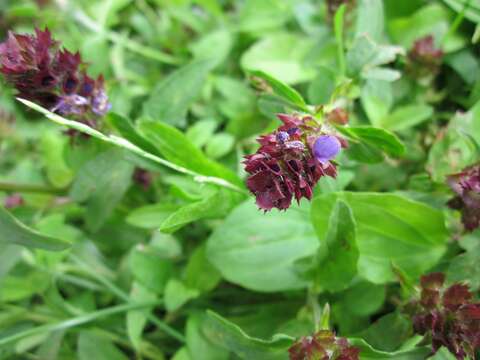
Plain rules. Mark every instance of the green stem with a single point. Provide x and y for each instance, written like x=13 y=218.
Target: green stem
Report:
x=317 y=311
x=124 y=296
x=339 y=25
x=30 y=188
x=75 y=321
x=125 y=144
x=457 y=22
x=133 y=46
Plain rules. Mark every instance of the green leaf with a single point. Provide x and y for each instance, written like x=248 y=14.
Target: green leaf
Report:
x=58 y=173
x=465 y=268
x=151 y=216
x=407 y=116
x=370 y=19
x=375 y=137
x=260 y=17
x=126 y=128
x=377 y=100
x=102 y=182
x=432 y=19
x=137 y=319
x=219 y=145
x=282 y=90
x=14 y=232
x=470 y=8
x=363 y=298
x=258 y=250
x=443 y=354
x=282 y=56
x=199 y=273
x=389 y=332
x=231 y=337
x=176 y=147
x=367 y=352
x=177 y=294
x=366 y=55
x=149 y=268
x=201 y=131
x=172 y=97
x=92 y=346
x=16 y=288
x=322 y=87
x=214 y=46
x=213 y=206
x=390 y=229
x=337 y=257
x=199 y=346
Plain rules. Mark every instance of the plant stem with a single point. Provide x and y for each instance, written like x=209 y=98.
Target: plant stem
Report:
x=75 y=321
x=30 y=188
x=338 y=25
x=124 y=296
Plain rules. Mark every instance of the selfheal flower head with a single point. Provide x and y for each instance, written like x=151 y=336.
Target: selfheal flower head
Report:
x=448 y=316
x=285 y=166
x=52 y=77
x=466 y=186
x=323 y=345
x=143 y=178
x=424 y=58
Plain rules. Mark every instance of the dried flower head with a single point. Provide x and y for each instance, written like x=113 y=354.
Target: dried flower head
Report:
x=448 y=317
x=466 y=185
x=338 y=116
x=290 y=161
x=323 y=345
x=424 y=58
x=52 y=77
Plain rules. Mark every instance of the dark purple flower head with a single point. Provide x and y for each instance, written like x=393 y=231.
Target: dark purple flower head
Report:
x=13 y=201
x=466 y=185
x=52 y=77
x=286 y=165
x=142 y=177
x=424 y=58
x=323 y=345
x=448 y=316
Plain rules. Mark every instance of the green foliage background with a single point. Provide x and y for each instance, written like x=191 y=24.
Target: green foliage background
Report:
x=93 y=266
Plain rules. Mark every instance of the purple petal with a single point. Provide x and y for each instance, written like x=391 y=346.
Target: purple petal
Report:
x=282 y=136
x=326 y=147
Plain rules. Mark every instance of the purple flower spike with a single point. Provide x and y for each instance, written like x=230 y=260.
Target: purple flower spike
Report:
x=326 y=147
x=54 y=78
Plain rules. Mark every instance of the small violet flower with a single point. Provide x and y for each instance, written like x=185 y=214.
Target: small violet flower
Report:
x=323 y=345
x=448 y=316
x=53 y=77
x=326 y=148
x=290 y=162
